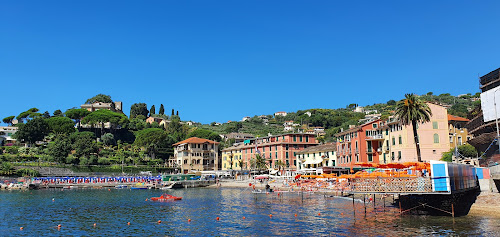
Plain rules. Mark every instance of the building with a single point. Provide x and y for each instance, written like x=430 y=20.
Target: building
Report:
x=457 y=131
x=281 y=113
x=232 y=158
x=238 y=137
x=277 y=149
x=195 y=154
x=433 y=138
x=245 y=118
x=360 y=144
x=151 y=120
x=114 y=106
x=6 y=135
x=318 y=156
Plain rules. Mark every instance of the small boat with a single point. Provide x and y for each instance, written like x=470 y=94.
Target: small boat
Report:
x=139 y=187
x=173 y=185
x=166 y=197
x=121 y=186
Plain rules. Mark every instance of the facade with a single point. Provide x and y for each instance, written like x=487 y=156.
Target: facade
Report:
x=195 y=154
x=281 y=113
x=151 y=120
x=277 y=149
x=457 y=132
x=433 y=138
x=115 y=106
x=360 y=144
x=6 y=135
x=231 y=158
x=238 y=137
x=318 y=156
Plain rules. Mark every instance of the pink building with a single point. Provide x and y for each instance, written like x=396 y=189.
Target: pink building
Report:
x=277 y=148
x=433 y=138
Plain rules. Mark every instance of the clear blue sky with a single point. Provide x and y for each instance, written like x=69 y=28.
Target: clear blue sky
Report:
x=223 y=60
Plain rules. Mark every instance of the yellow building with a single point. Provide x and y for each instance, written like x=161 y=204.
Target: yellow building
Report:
x=231 y=158
x=458 y=133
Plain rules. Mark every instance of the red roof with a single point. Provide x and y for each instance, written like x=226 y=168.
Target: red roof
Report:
x=456 y=118
x=195 y=140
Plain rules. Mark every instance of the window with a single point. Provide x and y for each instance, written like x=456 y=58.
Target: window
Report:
x=451 y=139
x=399 y=155
x=393 y=141
x=277 y=139
x=307 y=139
x=436 y=138
x=251 y=150
x=224 y=165
x=435 y=125
x=387 y=132
x=286 y=147
x=300 y=139
x=286 y=155
x=400 y=140
x=370 y=157
x=326 y=163
x=385 y=161
x=459 y=140
x=374 y=125
x=294 y=138
x=295 y=162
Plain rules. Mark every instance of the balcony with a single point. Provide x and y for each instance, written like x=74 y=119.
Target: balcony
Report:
x=375 y=137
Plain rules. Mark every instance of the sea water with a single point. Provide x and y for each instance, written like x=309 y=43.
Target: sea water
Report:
x=240 y=212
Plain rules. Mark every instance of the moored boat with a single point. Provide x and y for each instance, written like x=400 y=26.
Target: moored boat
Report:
x=166 y=197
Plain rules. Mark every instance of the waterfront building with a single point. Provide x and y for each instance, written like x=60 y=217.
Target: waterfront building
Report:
x=360 y=144
x=433 y=137
x=195 y=154
x=231 y=158
x=277 y=149
x=6 y=135
x=324 y=155
x=457 y=131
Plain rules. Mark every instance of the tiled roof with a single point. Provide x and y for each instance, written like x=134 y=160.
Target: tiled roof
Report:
x=456 y=118
x=319 y=148
x=195 y=140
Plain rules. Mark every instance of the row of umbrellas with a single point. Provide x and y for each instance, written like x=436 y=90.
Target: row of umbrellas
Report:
x=99 y=179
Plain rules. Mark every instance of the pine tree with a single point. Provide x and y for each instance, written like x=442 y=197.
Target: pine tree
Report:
x=173 y=112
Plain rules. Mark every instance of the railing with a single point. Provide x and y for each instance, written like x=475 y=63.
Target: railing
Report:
x=369 y=150
x=375 y=137
x=391 y=185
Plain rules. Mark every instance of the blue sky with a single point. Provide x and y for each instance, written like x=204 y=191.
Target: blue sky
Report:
x=223 y=60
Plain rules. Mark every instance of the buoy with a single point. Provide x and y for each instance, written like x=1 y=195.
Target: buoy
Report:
x=95 y=224
x=342 y=213
x=109 y=189
x=295 y=215
x=128 y=223
x=244 y=218
x=270 y=215
x=53 y=199
x=21 y=228
x=159 y=221
x=59 y=226
x=146 y=199
x=217 y=218
x=189 y=220
x=319 y=214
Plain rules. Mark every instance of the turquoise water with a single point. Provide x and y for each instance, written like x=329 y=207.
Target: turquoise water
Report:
x=77 y=210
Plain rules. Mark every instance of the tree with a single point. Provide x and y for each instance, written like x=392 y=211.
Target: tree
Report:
x=259 y=162
x=162 y=110
x=105 y=116
x=138 y=109
x=202 y=133
x=34 y=130
x=152 y=140
x=9 y=119
x=99 y=98
x=108 y=139
x=46 y=115
x=173 y=112
x=61 y=125
x=467 y=150
x=412 y=110
x=83 y=143
x=58 y=113
x=77 y=115
x=391 y=102
x=176 y=130
x=152 y=110
x=28 y=113
x=59 y=149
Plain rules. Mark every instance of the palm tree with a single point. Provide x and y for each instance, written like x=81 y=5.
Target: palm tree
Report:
x=259 y=162
x=412 y=110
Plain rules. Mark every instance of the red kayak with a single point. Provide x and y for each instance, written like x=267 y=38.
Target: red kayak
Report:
x=166 y=197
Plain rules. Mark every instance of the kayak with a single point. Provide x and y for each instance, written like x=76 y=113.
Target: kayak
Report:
x=166 y=197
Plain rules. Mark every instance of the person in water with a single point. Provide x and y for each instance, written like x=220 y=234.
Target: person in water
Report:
x=268 y=188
